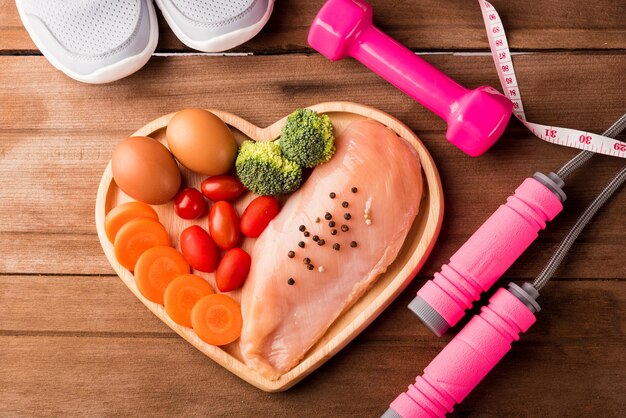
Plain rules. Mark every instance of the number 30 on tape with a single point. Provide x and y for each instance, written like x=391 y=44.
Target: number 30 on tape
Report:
x=562 y=136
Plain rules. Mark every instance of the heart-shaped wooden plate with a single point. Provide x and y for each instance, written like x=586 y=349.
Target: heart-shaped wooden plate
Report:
x=388 y=286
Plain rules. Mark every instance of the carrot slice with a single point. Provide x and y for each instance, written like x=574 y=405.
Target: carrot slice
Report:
x=155 y=270
x=217 y=319
x=136 y=237
x=125 y=212
x=182 y=294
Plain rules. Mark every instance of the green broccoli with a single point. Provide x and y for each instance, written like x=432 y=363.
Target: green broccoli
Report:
x=307 y=138
x=262 y=168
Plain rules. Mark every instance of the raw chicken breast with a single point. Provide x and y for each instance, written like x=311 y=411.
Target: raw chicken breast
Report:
x=281 y=322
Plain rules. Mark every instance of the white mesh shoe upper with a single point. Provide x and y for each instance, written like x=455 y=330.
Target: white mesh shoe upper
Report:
x=88 y=27
x=212 y=11
x=95 y=41
x=215 y=25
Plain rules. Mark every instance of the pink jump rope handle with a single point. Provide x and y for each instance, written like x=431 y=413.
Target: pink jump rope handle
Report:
x=493 y=248
x=476 y=118
x=467 y=359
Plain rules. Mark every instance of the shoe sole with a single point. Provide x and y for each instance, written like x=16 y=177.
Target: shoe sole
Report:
x=223 y=42
x=107 y=74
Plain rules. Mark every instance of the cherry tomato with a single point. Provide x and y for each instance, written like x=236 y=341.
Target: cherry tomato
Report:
x=224 y=225
x=218 y=188
x=198 y=249
x=233 y=270
x=258 y=215
x=190 y=204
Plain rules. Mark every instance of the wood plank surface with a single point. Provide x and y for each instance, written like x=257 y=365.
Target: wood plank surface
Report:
x=421 y=25
x=75 y=342
x=123 y=353
x=64 y=137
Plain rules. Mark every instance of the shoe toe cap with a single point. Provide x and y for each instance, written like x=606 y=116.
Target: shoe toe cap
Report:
x=91 y=43
x=216 y=25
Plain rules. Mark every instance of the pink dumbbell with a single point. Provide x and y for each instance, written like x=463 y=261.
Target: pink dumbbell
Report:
x=476 y=118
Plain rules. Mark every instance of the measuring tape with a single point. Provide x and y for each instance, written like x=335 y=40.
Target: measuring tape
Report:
x=587 y=141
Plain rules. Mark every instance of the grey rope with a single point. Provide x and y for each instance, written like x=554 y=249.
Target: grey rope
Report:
x=580 y=224
x=558 y=256
x=581 y=158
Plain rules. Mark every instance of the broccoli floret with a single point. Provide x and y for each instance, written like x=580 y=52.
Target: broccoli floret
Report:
x=262 y=168
x=307 y=138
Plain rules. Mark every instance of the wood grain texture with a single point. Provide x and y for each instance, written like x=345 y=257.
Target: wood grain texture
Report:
x=424 y=25
x=51 y=129
x=84 y=357
x=415 y=249
x=83 y=345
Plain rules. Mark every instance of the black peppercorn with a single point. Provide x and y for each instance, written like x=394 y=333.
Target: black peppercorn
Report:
x=310 y=266
x=344 y=228
x=291 y=281
x=301 y=244
x=321 y=242
x=347 y=216
x=328 y=216
x=344 y=204
x=307 y=260
x=331 y=224
x=291 y=254
x=332 y=195
x=336 y=246
x=306 y=233
x=302 y=228
x=316 y=238
x=354 y=190
x=353 y=244
x=333 y=232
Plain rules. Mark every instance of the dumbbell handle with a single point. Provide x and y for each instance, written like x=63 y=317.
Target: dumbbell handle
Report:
x=466 y=360
x=407 y=71
x=476 y=118
x=488 y=253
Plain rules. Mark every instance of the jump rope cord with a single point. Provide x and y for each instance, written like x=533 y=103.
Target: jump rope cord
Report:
x=584 y=156
x=558 y=256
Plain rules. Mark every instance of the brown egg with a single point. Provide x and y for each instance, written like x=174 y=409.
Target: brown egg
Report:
x=145 y=170
x=201 y=142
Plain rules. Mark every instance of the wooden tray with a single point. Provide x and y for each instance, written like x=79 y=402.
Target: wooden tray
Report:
x=416 y=248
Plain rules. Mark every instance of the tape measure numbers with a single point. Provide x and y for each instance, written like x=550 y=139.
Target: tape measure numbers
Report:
x=504 y=65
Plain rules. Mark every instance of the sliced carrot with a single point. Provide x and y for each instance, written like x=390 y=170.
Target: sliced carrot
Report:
x=182 y=294
x=125 y=212
x=217 y=319
x=155 y=270
x=136 y=237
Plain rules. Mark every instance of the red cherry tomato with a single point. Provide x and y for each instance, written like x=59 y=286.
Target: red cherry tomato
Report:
x=233 y=270
x=198 y=249
x=224 y=225
x=190 y=204
x=218 y=188
x=258 y=215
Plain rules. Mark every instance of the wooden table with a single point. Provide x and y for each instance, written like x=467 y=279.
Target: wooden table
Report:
x=74 y=341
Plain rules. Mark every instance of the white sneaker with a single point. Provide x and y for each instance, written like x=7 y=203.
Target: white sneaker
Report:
x=93 y=41
x=215 y=25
